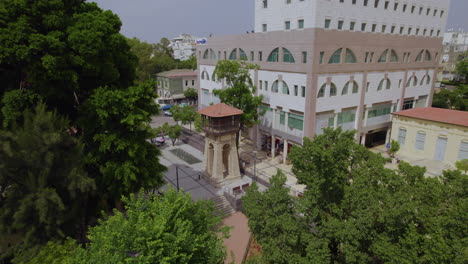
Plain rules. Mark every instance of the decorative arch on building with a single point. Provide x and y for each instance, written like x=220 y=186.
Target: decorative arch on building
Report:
x=350 y=57
x=333 y=90
x=424 y=55
x=355 y=88
x=384 y=83
x=284 y=88
x=274 y=55
x=205 y=75
x=233 y=55
x=242 y=55
x=287 y=56
x=321 y=92
x=413 y=80
x=335 y=57
x=426 y=79
x=209 y=54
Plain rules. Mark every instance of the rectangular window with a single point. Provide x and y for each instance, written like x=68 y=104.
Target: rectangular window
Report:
x=260 y=56
x=260 y=85
x=409 y=30
x=193 y=82
x=340 y=24
x=402 y=136
x=435 y=12
x=287 y=25
x=412 y=9
x=264 y=27
x=266 y=85
x=399 y=83
x=351 y=25
x=322 y=54
x=304 y=57
x=296 y=121
x=463 y=151
x=392 y=30
x=186 y=82
x=401 y=30
x=395 y=7
x=252 y=56
x=374 y=26
x=225 y=55
x=363 y=26
x=366 y=58
x=408 y=104
x=354 y=2
x=386 y=4
x=327 y=23
x=420 y=141
x=420 y=10
x=300 y=23
x=417 y=31
x=428 y=11
x=367 y=86
x=346 y=117
x=288 y=1
x=384 y=27
x=404 y=7
x=303 y=91
x=296 y=90
x=372 y=57
x=265 y=3
x=442 y=13
x=365 y=2
x=438 y=32
x=432 y=32
x=424 y=32
x=376 y=3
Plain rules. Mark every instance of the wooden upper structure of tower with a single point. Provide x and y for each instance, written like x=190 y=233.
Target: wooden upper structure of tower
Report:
x=220 y=119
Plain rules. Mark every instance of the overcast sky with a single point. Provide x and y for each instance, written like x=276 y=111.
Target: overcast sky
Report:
x=150 y=20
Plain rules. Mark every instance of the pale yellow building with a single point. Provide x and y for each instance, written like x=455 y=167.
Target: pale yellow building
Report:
x=431 y=133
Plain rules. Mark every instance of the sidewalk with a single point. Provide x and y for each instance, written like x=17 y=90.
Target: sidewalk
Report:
x=434 y=168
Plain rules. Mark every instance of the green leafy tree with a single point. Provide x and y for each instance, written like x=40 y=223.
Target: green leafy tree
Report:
x=43 y=183
x=191 y=63
x=394 y=148
x=462 y=65
x=357 y=211
x=198 y=122
x=191 y=94
x=13 y=104
x=239 y=91
x=456 y=99
x=56 y=252
x=275 y=222
x=174 y=133
x=187 y=115
x=117 y=141
x=462 y=165
x=157 y=229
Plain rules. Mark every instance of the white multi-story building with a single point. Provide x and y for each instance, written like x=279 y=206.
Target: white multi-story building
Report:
x=183 y=46
x=333 y=63
x=455 y=44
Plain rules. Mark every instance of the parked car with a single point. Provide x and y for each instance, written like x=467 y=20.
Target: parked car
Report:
x=165 y=107
x=168 y=113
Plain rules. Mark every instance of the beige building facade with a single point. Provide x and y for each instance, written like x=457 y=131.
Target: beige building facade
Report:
x=432 y=133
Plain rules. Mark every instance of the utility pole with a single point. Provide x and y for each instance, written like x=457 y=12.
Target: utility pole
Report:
x=177 y=177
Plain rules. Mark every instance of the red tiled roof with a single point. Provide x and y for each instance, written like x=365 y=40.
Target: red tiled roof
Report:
x=441 y=115
x=220 y=110
x=178 y=73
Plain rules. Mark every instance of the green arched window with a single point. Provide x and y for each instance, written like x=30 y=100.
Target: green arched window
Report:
x=287 y=56
x=393 y=56
x=350 y=57
x=381 y=84
x=274 y=55
x=428 y=56
x=333 y=90
x=205 y=54
x=285 y=88
x=383 y=57
x=242 y=54
x=355 y=87
x=213 y=54
x=428 y=79
x=274 y=87
x=321 y=92
x=233 y=55
x=336 y=57
x=419 y=57
x=389 y=84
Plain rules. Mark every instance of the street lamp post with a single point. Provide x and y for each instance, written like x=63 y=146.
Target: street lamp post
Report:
x=177 y=177
x=255 y=165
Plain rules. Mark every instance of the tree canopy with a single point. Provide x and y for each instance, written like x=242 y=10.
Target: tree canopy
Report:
x=354 y=210
x=456 y=99
x=155 y=229
x=462 y=65
x=42 y=179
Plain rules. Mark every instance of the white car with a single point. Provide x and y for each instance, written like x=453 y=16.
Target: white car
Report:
x=168 y=113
